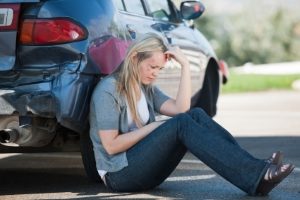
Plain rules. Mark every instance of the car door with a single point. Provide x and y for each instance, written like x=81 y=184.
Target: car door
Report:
x=158 y=16
x=134 y=17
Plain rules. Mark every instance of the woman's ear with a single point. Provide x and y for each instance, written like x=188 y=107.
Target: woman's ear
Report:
x=133 y=57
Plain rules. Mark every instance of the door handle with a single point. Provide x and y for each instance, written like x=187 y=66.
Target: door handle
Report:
x=131 y=30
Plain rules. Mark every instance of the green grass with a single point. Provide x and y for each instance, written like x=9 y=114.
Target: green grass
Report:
x=254 y=82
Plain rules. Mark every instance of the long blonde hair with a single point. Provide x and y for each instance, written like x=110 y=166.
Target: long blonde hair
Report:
x=129 y=74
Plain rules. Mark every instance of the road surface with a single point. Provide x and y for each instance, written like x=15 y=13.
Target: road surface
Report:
x=261 y=122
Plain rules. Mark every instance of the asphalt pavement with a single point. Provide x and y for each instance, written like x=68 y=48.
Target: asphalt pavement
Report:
x=261 y=122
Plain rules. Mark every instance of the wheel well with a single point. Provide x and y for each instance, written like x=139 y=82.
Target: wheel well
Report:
x=206 y=98
x=213 y=70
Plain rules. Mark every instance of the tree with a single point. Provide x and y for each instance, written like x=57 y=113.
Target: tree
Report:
x=252 y=37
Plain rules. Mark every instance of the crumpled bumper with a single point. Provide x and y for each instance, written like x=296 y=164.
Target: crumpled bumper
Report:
x=62 y=95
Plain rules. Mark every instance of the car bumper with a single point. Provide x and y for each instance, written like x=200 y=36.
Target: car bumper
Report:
x=63 y=95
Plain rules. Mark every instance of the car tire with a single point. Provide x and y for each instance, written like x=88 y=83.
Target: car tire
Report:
x=207 y=97
x=88 y=158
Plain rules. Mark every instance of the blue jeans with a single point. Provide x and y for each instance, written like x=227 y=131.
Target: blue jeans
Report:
x=154 y=158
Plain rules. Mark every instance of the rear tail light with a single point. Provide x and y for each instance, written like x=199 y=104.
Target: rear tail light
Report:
x=9 y=15
x=50 y=31
x=224 y=70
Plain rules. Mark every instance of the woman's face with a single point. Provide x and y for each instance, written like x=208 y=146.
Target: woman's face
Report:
x=150 y=67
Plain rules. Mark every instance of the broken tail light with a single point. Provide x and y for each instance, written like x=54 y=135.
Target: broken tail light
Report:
x=50 y=31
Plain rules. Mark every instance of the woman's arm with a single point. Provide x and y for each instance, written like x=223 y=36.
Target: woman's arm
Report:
x=114 y=143
x=182 y=102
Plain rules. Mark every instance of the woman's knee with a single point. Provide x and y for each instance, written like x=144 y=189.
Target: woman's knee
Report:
x=182 y=117
x=183 y=121
x=197 y=111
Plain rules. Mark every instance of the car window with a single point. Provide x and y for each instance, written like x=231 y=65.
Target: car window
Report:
x=159 y=9
x=119 y=4
x=134 y=6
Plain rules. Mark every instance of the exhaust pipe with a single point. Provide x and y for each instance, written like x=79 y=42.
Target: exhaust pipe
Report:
x=25 y=131
x=9 y=136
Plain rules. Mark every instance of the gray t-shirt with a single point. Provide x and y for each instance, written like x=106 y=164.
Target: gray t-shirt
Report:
x=108 y=111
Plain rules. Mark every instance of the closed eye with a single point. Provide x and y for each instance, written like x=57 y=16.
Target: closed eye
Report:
x=157 y=67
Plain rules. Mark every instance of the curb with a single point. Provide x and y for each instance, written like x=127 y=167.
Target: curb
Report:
x=296 y=85
x=287 y=68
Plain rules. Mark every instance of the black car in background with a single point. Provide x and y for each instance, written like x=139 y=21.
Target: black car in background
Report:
x=53 y=53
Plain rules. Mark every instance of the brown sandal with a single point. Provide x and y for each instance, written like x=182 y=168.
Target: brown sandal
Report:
x=274 y=175
x=276 y=158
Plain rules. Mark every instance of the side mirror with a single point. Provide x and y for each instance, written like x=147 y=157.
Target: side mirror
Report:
x=191 y=9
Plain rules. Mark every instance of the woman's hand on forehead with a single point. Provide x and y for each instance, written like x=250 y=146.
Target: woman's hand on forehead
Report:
x=176 y=53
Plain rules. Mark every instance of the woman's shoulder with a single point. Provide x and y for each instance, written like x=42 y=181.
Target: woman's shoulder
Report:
x=107 y=84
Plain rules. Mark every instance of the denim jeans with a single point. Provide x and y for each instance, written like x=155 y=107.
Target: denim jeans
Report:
x=154 y=158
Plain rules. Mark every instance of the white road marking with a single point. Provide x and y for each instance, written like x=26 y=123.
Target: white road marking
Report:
x=190 y=178
x=191 y=161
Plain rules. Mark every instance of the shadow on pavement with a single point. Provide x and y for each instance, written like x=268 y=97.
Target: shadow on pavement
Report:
x=64 y=177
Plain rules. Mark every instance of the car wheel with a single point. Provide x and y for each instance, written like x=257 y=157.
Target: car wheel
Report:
x=88 y=157
x=207 y=97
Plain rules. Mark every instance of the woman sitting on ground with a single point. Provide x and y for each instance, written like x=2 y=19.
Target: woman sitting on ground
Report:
x=134 y=152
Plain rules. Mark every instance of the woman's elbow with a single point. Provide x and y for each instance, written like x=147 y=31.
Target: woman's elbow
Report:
x=183 y=109
x=110 y=150
x=108 y=142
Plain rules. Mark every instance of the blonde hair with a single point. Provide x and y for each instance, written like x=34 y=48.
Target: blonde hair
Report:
x=129 y=74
